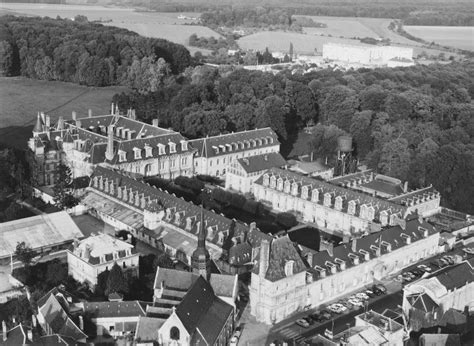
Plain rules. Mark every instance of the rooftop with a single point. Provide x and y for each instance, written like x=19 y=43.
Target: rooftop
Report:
x=37 y=232
x=101 y=245
x=115 y=309
x=258 y=163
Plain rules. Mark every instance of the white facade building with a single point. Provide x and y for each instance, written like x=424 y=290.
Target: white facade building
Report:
x=214 y=154
x=282 y=284
x=99 y=253
x=368 y=54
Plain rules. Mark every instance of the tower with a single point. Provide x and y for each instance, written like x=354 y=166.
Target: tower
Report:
x=201 y=260
x=38 y=126
x=109 y=153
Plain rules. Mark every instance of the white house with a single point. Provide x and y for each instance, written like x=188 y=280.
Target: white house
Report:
x=98 y=253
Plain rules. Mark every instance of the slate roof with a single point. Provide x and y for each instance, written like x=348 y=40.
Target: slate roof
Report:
x=456 y=277
x=147 y=328
x=205 y=146
x=413 y=195
x=58 y=320
x=384 y=186
x=258 y=163
x=453 y=317
x=116 y=309
x=222 y=285
x=55 y=340
x=217 y=222
x=15 y=336
x=422 y=302
x=202 y=312
x=281 y=250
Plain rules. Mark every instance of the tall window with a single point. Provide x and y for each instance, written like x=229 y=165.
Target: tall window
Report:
x=174 y=333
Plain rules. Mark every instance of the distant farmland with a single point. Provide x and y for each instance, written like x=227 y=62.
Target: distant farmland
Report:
x=461 y=37
x=150 y=24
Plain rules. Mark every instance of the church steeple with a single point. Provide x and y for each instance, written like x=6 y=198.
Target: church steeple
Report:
x=201 y=260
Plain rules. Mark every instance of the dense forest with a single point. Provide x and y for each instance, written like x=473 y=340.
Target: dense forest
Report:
x=423 y=12
x=413 y=123
x=86 y=53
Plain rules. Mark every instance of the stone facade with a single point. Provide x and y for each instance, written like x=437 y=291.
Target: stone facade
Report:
x=332 y=274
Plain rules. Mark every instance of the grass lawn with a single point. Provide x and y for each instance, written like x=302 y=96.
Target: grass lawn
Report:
x=22 y=98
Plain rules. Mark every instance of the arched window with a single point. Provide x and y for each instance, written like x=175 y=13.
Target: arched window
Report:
x=174 y=333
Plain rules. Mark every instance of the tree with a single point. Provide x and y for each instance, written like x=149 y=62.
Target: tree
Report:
x=339 y=106
x=24 y=253
x=360 y=128
x=395 y=158
x=56 y=272
x=163 y=261
x=116 y=281
x=62 y=193
x=324 y=140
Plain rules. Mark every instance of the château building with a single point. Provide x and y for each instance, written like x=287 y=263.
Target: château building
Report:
x=114 y=141
x=215 y=153
x=283 y=282
x=337 y=207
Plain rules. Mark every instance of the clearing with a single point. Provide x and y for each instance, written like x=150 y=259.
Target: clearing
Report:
x=26 y=97
x=461 y=37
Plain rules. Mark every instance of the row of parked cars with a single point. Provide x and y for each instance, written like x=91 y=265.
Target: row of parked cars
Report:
x=355 y=301
x=417 y=272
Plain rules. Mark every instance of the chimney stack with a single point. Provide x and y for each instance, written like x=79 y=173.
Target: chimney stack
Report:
x=264 y=257
x=81 y=323
x=30 y=334
x=354 y=245
x=78 y=123
x=156 y=122
x=90 y=113
x=405 y=187
x=112 y=109
x=134 y=116
x=4 y=331
x=109 y=153
x=48 y=122
x=74 y=115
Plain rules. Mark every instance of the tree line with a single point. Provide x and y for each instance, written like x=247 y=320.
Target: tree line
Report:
x=86 y=53
x=413 y=123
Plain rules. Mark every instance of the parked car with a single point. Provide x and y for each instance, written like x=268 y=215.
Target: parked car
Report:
x=425 y=268
x=449 y=259
x=233 y=341
x=370 y=293
x=444 y=261
x=308 y=319
x=356 y=302
x=361 y=295
x=325 y=315
x=303 y=323
x=380 y=287
x=316 y=317
x=346 y=304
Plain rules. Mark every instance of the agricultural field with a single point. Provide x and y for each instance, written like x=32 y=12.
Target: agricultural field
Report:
x=461 y=37
x=150 y=24
x=26 y=97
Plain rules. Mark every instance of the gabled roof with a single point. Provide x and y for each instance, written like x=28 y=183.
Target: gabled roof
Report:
x=147 y=328
x=56 y=340
x=457 y=276
x=116 y=309
x=202 y=312
x=422 y=302
x=258 y=163
x=205 y=146
x=453 y=317
x=223 y=285
x=58 y=320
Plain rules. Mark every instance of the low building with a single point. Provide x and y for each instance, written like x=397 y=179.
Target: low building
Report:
x=199 y=318
x=10 y=288
x=242 y=172
x=283 y=282
x=118 y=318
x=427 y=300
x=98 y=253
x=215 y=153
x=42 y=233
x=15 y=336
x=440 y=340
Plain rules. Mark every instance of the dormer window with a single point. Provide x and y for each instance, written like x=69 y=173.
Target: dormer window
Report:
x=363 y=211
x=366 y=254
x=137 y=153
x=161 y=149
x=351 y=209
x=387 y=246
x=270 y=140
x=222 y=148
x=247 y=144
x=172 y=147
x=355 y=258
x=184 y=145
x=289 y=266
x=148 y=151
x=424 y=231
x=294 y=189
x=228 y=147
x=370 y=213
x=220 y=238
x=266 y=180
x=327 y=200
x=304 y=192
x=321 y=270
x=341 y=263
x=384 y=218
x=259 y=141
x=253 y=143
x=264 y=140
x=406 y=237
x=280 y=184
x=375 y=250
x=216 y=149
x=122 y=156
x=315 y=195
x=273 y=182
x=287 y=186
x=331 y=266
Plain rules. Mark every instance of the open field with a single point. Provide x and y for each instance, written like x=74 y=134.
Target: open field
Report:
x=21 y=99
x=454 y=36
x=150 y=24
